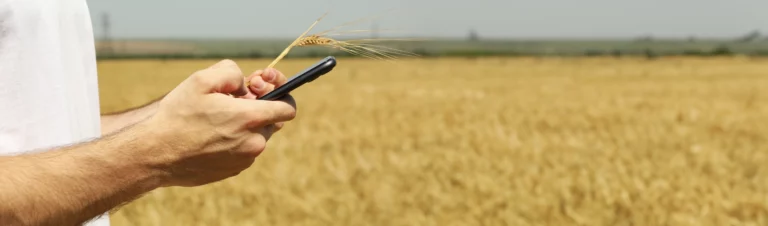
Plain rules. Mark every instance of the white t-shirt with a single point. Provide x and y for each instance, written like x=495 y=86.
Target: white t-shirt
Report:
x=48 y=85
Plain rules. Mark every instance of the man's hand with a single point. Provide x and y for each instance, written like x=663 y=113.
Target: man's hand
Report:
x=262 y=82
x=210 y=135
x=198 y=135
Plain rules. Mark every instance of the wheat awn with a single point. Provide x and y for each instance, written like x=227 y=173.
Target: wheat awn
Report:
x=360 y=47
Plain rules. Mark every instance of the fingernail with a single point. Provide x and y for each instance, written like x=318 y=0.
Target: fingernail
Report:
x=269 y=75
x=257 y=84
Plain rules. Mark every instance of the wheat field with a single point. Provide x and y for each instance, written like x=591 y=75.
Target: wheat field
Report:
x=487 y=141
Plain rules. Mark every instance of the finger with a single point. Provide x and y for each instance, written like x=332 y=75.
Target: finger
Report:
x=223 y=63
x=264 y=112
x=254 y=81
x=259 y=87
x=223 y=77
x=279 y=126
x=254 y=74
x=241 y=89
x=249 y=95
x=252 y=147
x=229 y=64
x=268 y=131
x=274 y=77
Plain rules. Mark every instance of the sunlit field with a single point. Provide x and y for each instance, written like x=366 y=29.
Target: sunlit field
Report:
x=489 y=141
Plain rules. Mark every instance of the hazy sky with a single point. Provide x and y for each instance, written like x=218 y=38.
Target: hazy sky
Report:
x=491 y=18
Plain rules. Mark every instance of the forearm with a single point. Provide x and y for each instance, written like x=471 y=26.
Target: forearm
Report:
x=68 y=186
x=116 y=121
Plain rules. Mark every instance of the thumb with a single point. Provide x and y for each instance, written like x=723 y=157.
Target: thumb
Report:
x=222 y=77
x=223 y=64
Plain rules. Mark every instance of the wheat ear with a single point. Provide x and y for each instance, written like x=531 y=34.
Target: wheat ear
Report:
x=357 y=47
x=288 y=49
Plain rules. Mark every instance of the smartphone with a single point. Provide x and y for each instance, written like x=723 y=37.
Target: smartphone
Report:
x=310 y=74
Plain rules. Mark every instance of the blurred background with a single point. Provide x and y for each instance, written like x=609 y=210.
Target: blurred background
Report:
x=589 y=112
x=245 y=28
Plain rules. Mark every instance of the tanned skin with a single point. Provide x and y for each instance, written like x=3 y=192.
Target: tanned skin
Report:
x=118 y=120
x=262 y=82
x=195 y=135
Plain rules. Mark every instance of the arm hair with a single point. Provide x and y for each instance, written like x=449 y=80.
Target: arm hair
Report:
x=72 y=185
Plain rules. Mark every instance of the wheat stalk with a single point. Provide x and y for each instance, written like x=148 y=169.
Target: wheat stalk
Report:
x=358 y=47
x=295 y=42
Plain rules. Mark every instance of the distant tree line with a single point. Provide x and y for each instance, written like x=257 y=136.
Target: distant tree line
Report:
x=752 y=43
x=721 y=50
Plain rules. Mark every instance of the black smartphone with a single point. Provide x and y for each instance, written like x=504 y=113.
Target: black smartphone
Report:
x=310 y=74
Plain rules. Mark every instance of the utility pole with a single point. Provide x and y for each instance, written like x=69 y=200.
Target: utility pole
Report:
x=107 y=39
x=473 y=36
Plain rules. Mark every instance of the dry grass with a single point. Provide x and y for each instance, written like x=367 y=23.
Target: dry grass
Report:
x=488 y=142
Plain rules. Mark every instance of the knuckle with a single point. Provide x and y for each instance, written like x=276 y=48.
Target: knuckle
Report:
x=227 y=63
x=250 y=149
x=200 y=78
x=255 y=146
x=234 y=73
x=257 y=73
x=260 y=146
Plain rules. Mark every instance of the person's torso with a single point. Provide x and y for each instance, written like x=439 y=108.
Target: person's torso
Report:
x=48 y=85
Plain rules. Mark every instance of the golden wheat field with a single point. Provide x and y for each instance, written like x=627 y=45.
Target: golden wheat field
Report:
x=487 y=141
